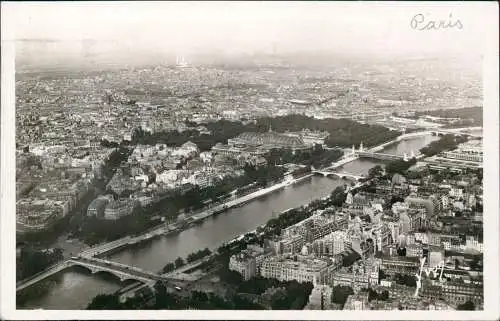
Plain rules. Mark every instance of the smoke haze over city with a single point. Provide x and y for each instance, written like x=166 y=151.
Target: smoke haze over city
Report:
x=232 y=29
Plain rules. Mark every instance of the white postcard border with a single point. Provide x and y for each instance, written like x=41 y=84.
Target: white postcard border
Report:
x=491 y=196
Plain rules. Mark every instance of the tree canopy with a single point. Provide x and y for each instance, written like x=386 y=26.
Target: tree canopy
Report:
x=33 y=261
x=446 y=143
x=342 y=132
x=340 y=294
x=467 y=306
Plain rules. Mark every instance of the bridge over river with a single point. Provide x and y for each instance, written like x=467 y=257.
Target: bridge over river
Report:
x=325 y=172
x=122 y=271
x=153 y=257
x=375 y=152
x=385 y=157
x=94 y=265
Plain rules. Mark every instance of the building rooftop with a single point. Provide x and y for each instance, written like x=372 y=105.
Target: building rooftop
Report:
x=269 y=138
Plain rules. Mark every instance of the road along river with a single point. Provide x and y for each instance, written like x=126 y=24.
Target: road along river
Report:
x=74 y=288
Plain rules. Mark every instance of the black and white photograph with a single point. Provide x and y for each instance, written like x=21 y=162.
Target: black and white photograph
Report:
x=209 y=157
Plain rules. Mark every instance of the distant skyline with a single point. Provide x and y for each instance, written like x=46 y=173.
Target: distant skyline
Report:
x=254 y=27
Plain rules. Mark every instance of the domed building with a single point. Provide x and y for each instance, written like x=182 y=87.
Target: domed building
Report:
x=268 y=141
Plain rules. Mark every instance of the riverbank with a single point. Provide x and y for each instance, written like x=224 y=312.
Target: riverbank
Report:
x=130 y=290
x=258 y=232
x=76 y=289
x=165 y=229
x=175 y=228
x=247 y=198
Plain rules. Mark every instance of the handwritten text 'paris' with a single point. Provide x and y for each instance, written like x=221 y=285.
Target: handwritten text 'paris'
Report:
x=421 y=22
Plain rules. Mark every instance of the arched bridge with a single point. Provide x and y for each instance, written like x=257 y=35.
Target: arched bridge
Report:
x=458 y=131
x=326 y=173
x=94 y=265
x=381 y=156
x=124 y=272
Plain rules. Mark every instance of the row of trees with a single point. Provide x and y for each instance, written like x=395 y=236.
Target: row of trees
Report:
x=294 y=296
x=179 y=262
x=221 y=131
x=94 y=230
x=107 y=302
x=203 y=301
x=264 y=175
x=108 y=144
x=405 y=279
x=338 y=196
x=33 y=261
x=275 y=225
x=348 y=260
x=446 y=143
x=374 y=295
x=340 y=294
x=375 y=171
x=198 y=255
x=171 y=138
x=194 y=198
x=271 y=229
x=295 y=299
x=117 y=157
x=399 y=166
x=301 y=171
x=171 y=266
x=317 y=157
x=343 y=132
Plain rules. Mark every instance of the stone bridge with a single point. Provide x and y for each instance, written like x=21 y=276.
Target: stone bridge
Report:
x=458 y=131
x=122 y=271
x=326 y=173
x=382 y=156
x=94 y=265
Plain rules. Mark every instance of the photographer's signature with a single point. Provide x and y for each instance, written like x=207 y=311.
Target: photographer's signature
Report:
x=421 y=22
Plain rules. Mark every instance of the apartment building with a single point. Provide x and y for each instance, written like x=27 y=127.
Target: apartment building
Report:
x=316 y=271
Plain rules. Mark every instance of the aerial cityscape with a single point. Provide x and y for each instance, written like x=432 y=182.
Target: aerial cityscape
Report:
x=271 y=180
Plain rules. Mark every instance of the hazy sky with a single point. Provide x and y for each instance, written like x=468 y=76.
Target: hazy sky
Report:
x=256 y=26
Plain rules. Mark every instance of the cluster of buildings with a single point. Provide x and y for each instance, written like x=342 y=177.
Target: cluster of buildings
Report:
x=52 y=180
x=153 y=171
x=54 y=113
x=405 y=301
x=432 y=230
x=149 y=172
x=161 y=97
x=468 y=155
x=259 y=144
x=409 y=123
x=415 y=122
x=112 y=104
x=106 y=207
x=313 y=251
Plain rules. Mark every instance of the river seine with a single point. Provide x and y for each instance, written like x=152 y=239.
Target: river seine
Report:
x=73 y=289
